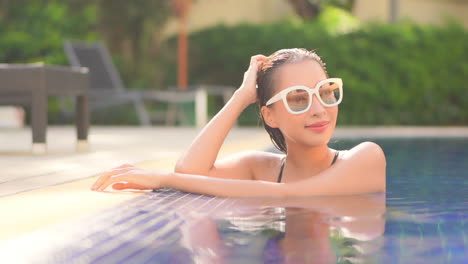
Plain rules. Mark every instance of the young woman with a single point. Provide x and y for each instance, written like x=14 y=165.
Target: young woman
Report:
x=299 y=108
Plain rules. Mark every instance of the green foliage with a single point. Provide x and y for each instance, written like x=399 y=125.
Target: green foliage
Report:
x=400 y=74
x=132 y=30
x=337 y=21
x=34 y=30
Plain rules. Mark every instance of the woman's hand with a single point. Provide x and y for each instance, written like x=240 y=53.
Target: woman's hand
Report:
x=129 y=177
x=248 y=89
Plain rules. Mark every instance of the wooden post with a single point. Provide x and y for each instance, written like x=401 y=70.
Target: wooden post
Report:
x=182 y=7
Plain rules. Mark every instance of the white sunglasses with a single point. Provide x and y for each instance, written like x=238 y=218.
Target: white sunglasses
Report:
x=298 y=99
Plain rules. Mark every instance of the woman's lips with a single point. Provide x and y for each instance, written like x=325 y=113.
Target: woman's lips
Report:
x=318 y=127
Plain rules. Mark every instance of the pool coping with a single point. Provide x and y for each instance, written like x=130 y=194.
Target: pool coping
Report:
x=400 y=131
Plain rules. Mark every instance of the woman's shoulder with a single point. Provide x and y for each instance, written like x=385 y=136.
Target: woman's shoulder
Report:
x=263 y=164
x=259 y=157
x=366 y=147
x=367 y=151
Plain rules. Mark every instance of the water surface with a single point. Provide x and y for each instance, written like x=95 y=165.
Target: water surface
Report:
x=421 y=219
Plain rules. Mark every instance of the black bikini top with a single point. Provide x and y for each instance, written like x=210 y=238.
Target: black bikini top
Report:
x=284 y=162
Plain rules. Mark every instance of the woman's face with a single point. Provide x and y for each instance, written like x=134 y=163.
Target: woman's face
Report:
x=314 y=127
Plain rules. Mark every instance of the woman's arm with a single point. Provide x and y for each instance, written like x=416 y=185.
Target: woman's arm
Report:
x=201 y=156
x=361 y=171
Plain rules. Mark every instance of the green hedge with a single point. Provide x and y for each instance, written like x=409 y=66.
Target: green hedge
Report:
x=32 y=31
x=400 y=74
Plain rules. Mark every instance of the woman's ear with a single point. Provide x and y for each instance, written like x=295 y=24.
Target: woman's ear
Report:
x=268 y=117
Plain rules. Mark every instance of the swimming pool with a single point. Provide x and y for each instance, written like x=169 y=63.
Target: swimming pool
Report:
x=421 y=219
x=427 y=200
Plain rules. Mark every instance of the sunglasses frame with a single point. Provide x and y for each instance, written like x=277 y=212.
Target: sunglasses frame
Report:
x=283 y=94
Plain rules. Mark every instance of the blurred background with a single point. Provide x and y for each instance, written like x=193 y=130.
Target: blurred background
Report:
x=403 y=62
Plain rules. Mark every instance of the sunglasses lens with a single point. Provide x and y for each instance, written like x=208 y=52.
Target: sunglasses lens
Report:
x=330 y=93
x=298 y=100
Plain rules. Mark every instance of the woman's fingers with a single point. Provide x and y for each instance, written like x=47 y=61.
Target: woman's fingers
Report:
x=123 y=177
x=249 y=83
x=127 y=185
x=257 y=61
x=258 y=57
x=105 y=175
x=127 y=177
x=131 y=179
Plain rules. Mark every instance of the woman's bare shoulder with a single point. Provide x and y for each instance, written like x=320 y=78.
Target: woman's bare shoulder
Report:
x=263 y=164
x=253 y=159
x=359 y=170
x=366 y=150
x=245 y=165
x=256 y=157
x=367 y=161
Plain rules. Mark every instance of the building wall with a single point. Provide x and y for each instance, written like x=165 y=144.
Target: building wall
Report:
x=435 y=11
x=372 y=10
x=420 y=11
x=206 y=13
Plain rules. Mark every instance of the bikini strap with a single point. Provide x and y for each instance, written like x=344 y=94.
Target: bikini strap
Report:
x=335 y=157
x=281 y=170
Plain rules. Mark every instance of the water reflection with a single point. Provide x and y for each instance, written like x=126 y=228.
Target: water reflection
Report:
x=338 y=229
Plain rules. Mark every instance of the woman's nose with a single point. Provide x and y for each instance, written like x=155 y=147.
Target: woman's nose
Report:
x=316 y=108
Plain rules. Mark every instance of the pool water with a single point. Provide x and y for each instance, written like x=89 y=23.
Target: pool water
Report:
x=421 y=219
x=426 y=218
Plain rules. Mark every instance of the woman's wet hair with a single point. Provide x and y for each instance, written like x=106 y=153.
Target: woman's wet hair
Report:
x=266 y=87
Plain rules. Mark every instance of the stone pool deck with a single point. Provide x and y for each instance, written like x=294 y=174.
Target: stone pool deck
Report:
x=40 y=190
